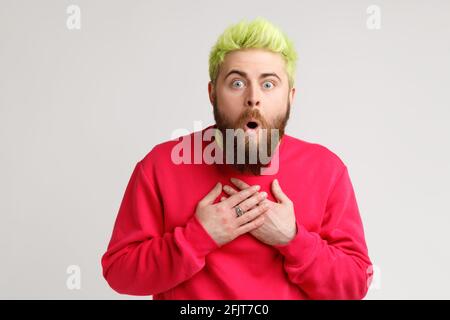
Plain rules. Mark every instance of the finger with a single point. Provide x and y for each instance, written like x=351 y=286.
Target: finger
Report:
x=278 y=193
x=229 y=190
x=252 y=214
x=241 y=196
x=222 y=199
x=253 y=201
x=266 y=202
x=239 y=183
x=212 y=195
x=256 y=223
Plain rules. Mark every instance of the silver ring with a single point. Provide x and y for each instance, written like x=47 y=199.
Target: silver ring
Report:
x=239 y=211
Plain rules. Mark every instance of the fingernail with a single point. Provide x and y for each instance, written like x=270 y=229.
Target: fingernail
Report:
x=257 y=187
x=264 y=194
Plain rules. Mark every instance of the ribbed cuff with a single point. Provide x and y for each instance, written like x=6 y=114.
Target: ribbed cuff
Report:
x=198 y=238
x=301 y=249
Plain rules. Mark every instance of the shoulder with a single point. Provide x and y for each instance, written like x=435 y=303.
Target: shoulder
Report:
x=160 y=156
x=322 y=156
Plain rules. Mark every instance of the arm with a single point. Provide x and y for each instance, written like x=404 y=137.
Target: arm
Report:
x=334 y=263
x=142 y=259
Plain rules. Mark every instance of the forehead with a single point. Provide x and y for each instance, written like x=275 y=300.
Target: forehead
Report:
x=254 y=61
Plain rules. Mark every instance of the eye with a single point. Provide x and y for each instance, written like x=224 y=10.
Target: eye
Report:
x=268 y=85
x=240 y=82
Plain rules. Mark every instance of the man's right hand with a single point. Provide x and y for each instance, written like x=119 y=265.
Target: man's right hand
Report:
x=220 y=219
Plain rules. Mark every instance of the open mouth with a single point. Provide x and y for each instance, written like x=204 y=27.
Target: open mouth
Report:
x=252 y=125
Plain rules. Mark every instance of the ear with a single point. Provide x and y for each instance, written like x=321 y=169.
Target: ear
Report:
x=291 y=96
x=211 y=92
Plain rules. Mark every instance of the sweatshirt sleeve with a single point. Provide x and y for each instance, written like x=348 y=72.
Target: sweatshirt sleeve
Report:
x=142 y=259
x=334 y=263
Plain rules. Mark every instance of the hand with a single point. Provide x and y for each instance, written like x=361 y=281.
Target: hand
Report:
x=279 y=227
x=220 y=219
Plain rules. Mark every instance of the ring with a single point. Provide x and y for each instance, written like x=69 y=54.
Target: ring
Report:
x=239 y=211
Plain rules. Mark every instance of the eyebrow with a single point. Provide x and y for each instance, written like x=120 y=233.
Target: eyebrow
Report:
x=243 y=74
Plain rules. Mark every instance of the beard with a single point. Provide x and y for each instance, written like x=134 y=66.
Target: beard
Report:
x=262 y=139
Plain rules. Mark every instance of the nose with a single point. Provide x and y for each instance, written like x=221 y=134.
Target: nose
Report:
x=253 y=97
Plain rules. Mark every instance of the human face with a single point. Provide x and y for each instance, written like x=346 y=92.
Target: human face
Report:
x=252 y=93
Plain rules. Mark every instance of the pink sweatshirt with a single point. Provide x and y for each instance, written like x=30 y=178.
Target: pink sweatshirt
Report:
x=158 y=247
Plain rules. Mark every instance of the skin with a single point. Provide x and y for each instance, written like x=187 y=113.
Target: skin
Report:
x=279 y=226
x=220 y=220
x=251 y=92
x=240 y=96
x=235 y=97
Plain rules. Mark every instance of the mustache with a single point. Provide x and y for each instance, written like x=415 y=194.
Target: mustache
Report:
x=252 y=114
x=224 y=122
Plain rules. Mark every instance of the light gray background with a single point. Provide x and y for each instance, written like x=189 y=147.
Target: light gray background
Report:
x=79 y=108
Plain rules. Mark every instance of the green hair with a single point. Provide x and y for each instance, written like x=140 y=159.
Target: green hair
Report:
x=258 y=33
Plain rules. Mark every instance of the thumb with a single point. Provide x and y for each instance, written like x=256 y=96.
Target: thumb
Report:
x=279 y=194
x=212 y=195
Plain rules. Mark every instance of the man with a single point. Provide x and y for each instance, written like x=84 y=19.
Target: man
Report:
x=284 y=226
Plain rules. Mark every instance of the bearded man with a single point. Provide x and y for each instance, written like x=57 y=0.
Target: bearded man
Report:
x=276 y=218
